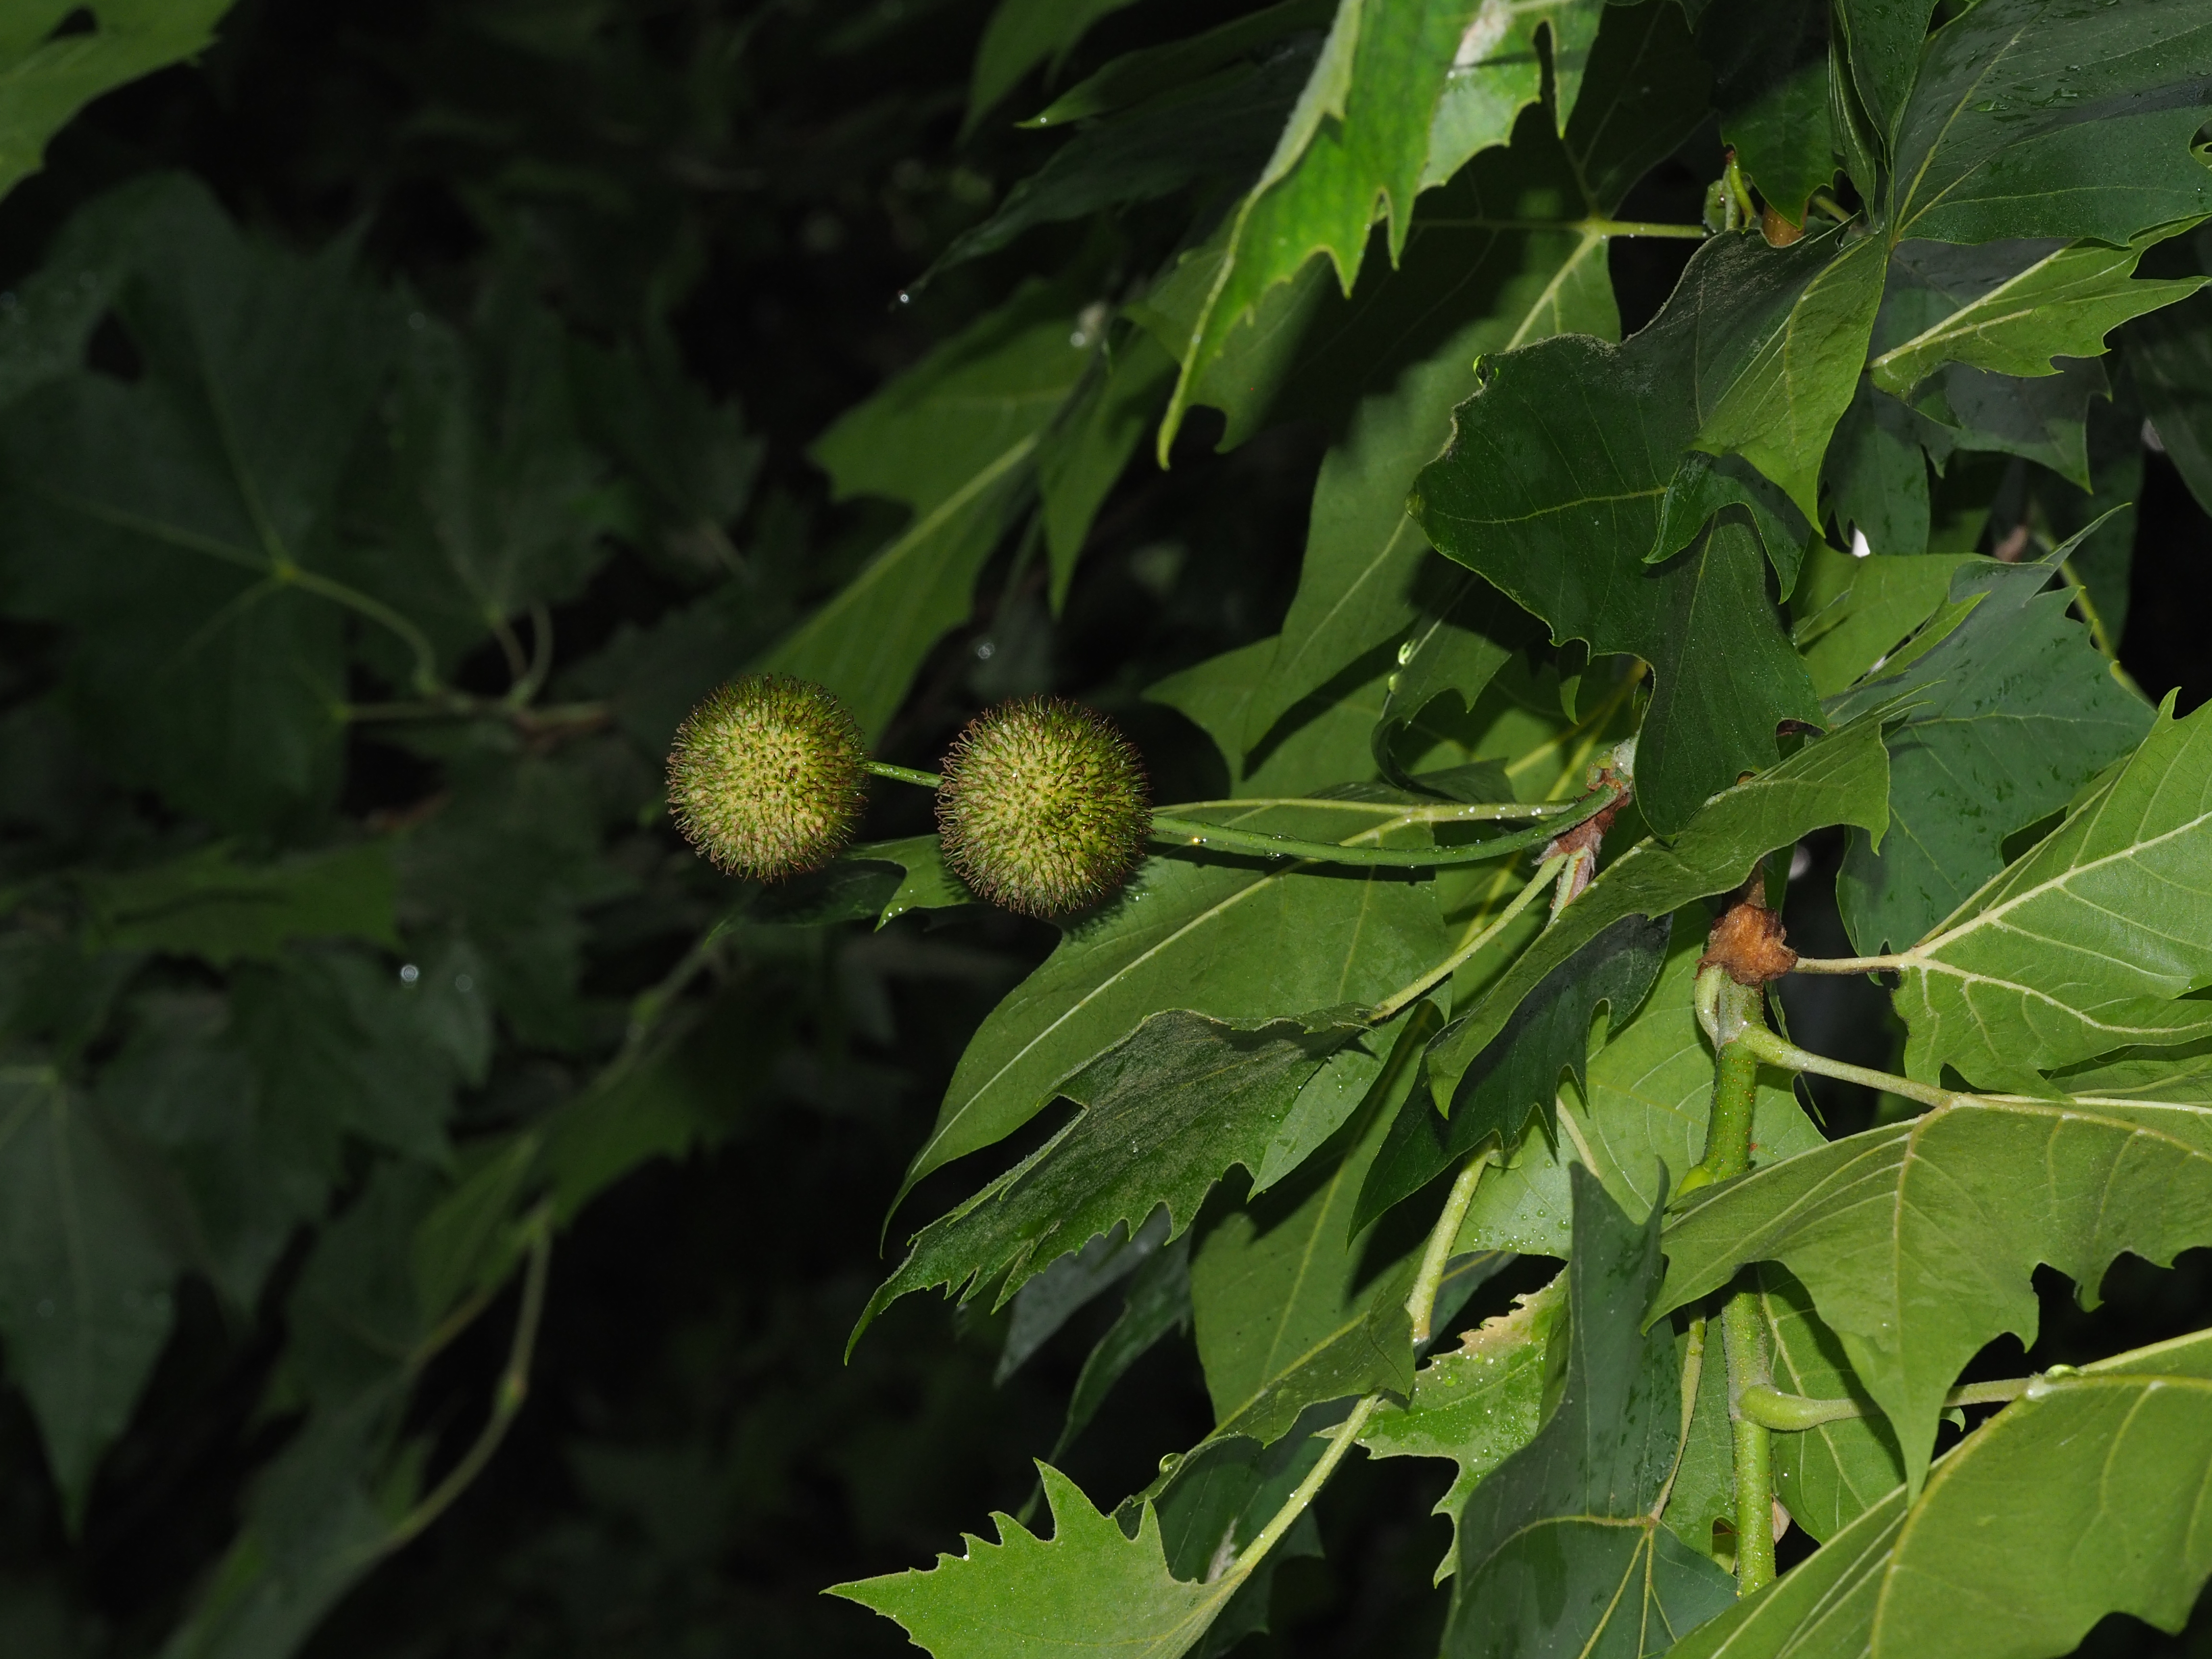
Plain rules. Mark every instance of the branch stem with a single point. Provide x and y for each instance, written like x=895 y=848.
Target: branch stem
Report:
x=1746 y=1347
x=902 y=773
x=1793 y=1413
x=1733 y=1015
x=1850 y=964
x=1771 y=1049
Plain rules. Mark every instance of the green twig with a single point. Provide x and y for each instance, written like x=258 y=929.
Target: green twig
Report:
x=1731 y=1014
x=902 y=773
x=1421 y=1305
x=1745 y=1343
x=1287 y=1517
x=1793 y=1413
x=507 y=1397
x=1390 y=1005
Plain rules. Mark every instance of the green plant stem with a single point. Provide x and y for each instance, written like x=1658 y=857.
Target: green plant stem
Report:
x=1192 y=833
x=1388 y=1008
x=1771 y=1049
x=1851 y=964
x=1793 y=1413
x=1348 y=1433
x=1744 y=1346
x=1421 y=1308
x=1730 y=1014
x=1421 y=1304
x=902 y=773
x=508 y=1396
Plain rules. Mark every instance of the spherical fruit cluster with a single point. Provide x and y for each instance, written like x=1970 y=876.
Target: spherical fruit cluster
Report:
x=765 y=777
x=1044 y=807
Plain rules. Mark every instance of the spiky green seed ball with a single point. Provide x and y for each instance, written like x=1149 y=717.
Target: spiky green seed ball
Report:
x=764 y=779
x=1044 y=807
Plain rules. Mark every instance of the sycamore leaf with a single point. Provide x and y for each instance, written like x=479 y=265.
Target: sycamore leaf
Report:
x=2087 y=941
x=1136 y=75
x=1876 y=474
x=183 y=519
x=1381 y=74
x=1222 y=128
x=1022 y=34
x=2054 y=118
x=953 y=438
x=1555 y=486
x=1560 y=1547
x=1230 y=940
x=2083 y=1498
x=1477 y=277
x=1165 y=1114
x=1087 y=1590
x=493 y=502
x=1769 y=62
x=2171 y=355
x=86 y=1266
x=1638 y=1116
x=1157 y=1305
x=1476 y=1404
x=1843 y=778
x=2010 y=308
x=1471 y=1097
x=209 y=905
x=1861 y=611
x=2011 y=713
x=1288 y=1312
x=1916 y=1241
x=1498 y=72
x=1046 y=1302
x=47 y=73
x=1885 y=38
x=1090 y=442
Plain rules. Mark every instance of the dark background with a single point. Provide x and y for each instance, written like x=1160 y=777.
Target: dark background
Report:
x=697 y=1461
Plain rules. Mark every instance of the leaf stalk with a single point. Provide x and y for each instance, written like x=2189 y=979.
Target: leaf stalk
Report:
x=1794 y=1413
x=1421 y=1304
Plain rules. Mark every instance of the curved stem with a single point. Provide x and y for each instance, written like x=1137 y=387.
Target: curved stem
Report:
x=1316 y=1478
x=1421 y=1305
x=1793 y=1413
x=1850 y=964
x=1774 y=1051
x=1390 y=1005
x=513 y=1389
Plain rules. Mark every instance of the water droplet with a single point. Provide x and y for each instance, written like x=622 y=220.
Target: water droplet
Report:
x=409 y=973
